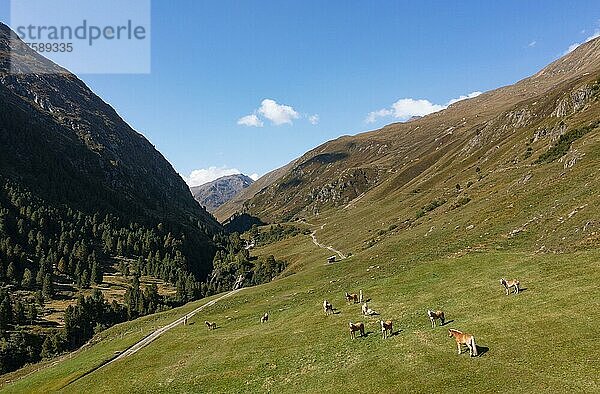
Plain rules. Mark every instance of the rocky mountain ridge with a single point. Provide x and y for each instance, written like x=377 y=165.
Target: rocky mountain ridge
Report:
x=216 y=193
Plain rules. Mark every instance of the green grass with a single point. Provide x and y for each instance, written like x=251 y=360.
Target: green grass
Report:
x=544 y=339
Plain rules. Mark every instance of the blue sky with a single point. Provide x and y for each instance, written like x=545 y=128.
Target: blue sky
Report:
x=310 y=71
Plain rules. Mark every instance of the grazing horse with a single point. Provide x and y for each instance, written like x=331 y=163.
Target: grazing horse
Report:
x=510 y=283
x=210 y=325
x=351 y=298
x=466 y=339
x=385 y=327
x=357 y=327
x=366 y=311
x=436 y=315
x=327 y=307
x=264 y=318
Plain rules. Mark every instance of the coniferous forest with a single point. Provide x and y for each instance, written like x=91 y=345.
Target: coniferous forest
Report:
x=44 y=248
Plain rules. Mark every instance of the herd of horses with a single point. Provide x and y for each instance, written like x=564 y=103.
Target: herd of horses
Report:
x=387 y=330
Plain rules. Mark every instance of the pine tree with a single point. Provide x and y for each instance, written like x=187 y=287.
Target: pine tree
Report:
x=48 y=287
x=11 y=274
x=62 y=266
x=85 y=280
x=39 y=278
x=6 y=313
x=27 y=281
x=47 y=348
x=32 y=313
x=97 y=276
x=19 y=313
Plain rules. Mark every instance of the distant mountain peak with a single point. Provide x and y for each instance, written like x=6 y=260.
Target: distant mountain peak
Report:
x=216 y=193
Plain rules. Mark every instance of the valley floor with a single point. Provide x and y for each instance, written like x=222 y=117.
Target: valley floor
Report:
x=544 y=339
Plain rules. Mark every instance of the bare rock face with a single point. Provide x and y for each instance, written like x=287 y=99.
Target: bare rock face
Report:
x=574 y=101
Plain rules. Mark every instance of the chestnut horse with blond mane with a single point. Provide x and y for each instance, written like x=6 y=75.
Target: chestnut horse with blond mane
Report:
x=510 y=283
x=351 y=298
x=464 y=339
x=360 y=326
x=386 y=326
x=436 y=315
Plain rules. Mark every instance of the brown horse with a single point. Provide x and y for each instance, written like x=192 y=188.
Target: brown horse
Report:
x=385 y=327
x=351 y=298
x=327 y=307
x=510 y=283
x=464 y=339
x=210 y=325
x=360 y=326
x=436 y=315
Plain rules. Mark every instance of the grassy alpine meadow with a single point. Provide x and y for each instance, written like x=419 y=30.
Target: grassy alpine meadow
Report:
x=543 y=339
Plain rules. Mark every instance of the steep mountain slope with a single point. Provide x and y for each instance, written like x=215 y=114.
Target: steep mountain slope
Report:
x=234 y=205
x=52 y=117
x=83 y=194
x=490 y=131
x=216 y=193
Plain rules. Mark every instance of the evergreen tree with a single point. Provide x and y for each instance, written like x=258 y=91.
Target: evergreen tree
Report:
x=48 y=287
x=32 y=313
x=11 y=274
x=97 y=275
x=19 y=313
x=47 y=348
x=6 y=313
x=85 y=280
x=62 y=266
x=27 y=281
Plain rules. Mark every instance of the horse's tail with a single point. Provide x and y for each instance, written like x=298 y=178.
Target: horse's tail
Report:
x=473 y=346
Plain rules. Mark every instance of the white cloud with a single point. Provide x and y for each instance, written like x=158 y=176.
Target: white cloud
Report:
x=406 y=108
x=372 y=116
x=254 y=176
x=574 y=46
x=277 y=113
x=250 y=121
x=205 y=175
x=463 y=97
x=532 y=44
